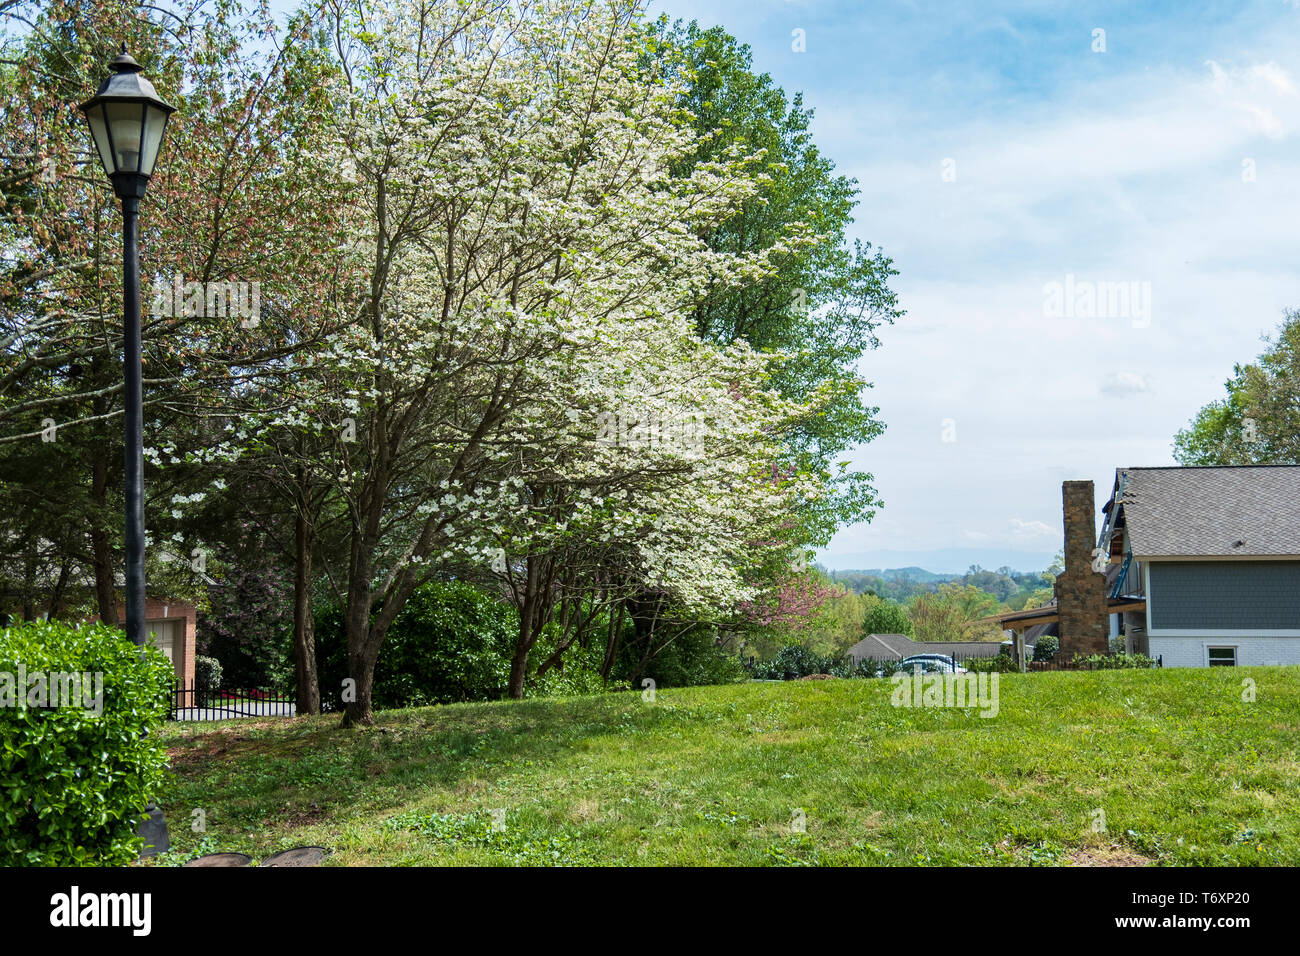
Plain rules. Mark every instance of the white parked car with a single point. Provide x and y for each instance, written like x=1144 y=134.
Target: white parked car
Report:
x=931 y=664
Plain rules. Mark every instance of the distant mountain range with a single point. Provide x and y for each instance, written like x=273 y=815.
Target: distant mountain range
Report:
x=937 y=564
x=894 y=574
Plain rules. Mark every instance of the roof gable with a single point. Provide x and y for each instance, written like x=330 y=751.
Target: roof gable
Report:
x=896 y=646
x=1232 y=511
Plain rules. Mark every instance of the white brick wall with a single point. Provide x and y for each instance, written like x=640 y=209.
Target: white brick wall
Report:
x=1190 y=651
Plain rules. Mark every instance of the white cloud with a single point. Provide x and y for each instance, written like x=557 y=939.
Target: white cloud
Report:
x=1121 y=384
x=1261 y=91
x=1017 y=531
x=1031 y=529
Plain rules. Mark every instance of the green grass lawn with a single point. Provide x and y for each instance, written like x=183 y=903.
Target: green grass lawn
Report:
x=1184 y=770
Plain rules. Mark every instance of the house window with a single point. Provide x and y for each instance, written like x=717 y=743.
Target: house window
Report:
x=1222 y=656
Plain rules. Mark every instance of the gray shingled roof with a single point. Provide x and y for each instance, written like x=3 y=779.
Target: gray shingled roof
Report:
x=1238 y=511
x=1032 y=634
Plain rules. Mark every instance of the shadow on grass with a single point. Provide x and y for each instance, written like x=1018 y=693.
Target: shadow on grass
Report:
x=299 y=771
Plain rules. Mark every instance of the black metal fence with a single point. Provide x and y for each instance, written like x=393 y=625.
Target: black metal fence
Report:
x=194 y=702
x=1006 y=662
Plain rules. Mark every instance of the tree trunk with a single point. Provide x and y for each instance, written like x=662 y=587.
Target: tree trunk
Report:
x=531 y=616
x=363 y=651
x=102 y=559
x=304 y=626
x=29 y=586
x=644 y=631
x=361 y=668
x=55 y=610
x=519 y=663
x=363 y=641
x=611 y=647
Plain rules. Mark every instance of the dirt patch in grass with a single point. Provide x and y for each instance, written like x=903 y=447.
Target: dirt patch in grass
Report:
x=1107 y=856
x=781 y=737
x=294 y=817
x=228 y=745
x=869 y=820
x=178 y=758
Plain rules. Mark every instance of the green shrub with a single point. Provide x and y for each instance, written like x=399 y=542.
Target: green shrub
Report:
x=868 y=667
x=693 y=659
x=790 y=663
x=1102 y=662
x=207 y=678
x=1003 y=663
x=451 y=642
x=577 y=675
x=1046 y=647
x=75 y=780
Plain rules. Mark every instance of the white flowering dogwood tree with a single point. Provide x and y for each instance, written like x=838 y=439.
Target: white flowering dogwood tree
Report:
x=526 y=264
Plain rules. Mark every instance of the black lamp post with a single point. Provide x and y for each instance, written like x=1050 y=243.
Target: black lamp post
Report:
x=127 y=120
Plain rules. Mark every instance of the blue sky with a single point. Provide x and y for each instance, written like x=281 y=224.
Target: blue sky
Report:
x=1132 y=165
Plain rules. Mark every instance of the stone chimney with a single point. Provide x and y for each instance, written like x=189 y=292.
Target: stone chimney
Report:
x=1081 y=591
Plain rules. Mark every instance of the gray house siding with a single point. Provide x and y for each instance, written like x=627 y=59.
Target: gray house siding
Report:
x=1237 y=595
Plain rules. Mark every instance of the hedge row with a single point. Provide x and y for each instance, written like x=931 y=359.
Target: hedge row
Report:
x=76 y=778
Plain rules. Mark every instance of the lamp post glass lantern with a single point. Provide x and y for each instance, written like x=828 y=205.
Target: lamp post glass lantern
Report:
x=127 y=121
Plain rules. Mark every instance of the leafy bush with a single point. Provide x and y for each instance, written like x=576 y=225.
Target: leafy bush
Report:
x=577 y=674
x=1118 y=644
x=790 y=663
x=1046 y=648
x=868 y=667
x=1100 y=662
x=75 y=780
x=207 y=678
x=692 y=660
x=1003 y=663
x=451 y=642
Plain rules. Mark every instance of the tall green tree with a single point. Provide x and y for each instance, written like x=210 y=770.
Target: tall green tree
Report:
x=885 y=617
x=1258 y=422
x=822 y=306
x=953 y=614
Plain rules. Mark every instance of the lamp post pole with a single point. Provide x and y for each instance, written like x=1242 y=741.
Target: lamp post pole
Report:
x=134 y=444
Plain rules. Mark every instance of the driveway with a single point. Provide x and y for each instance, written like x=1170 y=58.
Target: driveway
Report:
x=232 y=711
